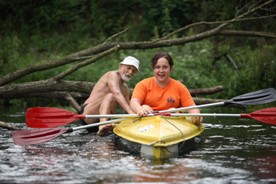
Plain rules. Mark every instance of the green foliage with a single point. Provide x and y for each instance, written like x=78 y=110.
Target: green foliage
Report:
x=41 y=31
x=255 y=69
x=258 y=69
x=165 y=16
x=193 y=63
x=218 y=10
x=9 y=52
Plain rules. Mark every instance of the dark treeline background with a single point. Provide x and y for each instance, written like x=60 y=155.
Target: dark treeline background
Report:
x=33 y=31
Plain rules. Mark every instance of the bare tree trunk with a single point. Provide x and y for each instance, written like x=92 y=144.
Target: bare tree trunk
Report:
x=7 y=126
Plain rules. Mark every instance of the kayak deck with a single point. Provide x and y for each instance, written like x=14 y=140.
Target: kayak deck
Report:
x=158 y=136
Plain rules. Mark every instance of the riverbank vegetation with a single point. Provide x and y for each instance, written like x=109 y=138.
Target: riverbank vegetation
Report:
x=241 y=59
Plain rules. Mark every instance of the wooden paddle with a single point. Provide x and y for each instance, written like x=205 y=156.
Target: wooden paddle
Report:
x=35 y=136
x=253 y=98
x=46 y=117
x=40 y=135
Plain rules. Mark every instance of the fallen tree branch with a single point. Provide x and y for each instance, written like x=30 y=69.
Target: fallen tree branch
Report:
x=58 y=95
x=247 y=33
x=86 y=62
x=24 y=90
x=206 y=91
x=7 y=126
x=73 y=102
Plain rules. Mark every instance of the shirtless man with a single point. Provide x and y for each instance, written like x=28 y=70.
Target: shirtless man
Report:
x=109 y=91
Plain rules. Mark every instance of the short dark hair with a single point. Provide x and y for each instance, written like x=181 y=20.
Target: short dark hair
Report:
x=160 y=55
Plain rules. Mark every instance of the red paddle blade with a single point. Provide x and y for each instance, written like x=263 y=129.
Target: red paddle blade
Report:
x=36 y=136
x=46 y=117
x=267 y=115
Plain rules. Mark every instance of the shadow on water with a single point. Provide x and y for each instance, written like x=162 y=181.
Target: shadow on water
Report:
x=234 y=151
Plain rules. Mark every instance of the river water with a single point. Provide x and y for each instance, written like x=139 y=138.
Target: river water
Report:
x=235 y=151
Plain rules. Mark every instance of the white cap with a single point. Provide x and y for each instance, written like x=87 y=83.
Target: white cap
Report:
x=129 y=60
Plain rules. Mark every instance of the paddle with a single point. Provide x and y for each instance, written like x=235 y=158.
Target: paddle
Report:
x=45 y=117
x=48 y=117
x=253 y=98
x=267 y=115
x=43 y=120
x=36 y=136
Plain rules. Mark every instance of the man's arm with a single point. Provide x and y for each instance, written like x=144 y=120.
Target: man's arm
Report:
x=113 y=84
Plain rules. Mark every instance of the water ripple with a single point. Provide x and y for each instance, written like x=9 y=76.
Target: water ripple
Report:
x=233 y=152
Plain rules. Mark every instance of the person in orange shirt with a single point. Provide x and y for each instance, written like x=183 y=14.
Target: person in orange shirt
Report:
x=161 y=92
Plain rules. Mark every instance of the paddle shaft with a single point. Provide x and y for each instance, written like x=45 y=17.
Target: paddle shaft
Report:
x=253 y=98
x=96 y=124
x=44 y=117
x=167 y=114
x=161 y=114
x=83 y=116
x=193 y=107
x=267 y=115
x=36 y=136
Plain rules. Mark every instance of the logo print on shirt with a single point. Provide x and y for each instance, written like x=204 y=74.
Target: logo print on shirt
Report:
x=170 y=100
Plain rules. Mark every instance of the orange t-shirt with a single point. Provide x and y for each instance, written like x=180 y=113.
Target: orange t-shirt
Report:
x=174 y=95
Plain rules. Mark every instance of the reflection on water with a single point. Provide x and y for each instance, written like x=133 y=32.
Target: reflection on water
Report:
x=233 y=152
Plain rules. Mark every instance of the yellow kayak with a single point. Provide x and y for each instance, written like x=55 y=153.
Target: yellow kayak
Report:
x=158 y=136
